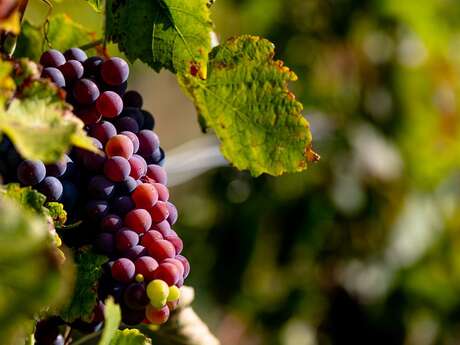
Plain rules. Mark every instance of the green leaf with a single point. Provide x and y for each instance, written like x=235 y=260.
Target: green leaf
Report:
x=172 y=34
x=89 y=270
x=57 y=213
x=26 y=197
x=97 y=5
x=31 y=276
x=130 y=337
x=63 y=33
x=38 y=115
x=112 y=315
x=246 y=101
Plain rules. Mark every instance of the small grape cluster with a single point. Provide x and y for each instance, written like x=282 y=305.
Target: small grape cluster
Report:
x=120 y=194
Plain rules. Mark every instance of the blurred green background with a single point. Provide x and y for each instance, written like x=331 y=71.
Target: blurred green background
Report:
x=364 y=247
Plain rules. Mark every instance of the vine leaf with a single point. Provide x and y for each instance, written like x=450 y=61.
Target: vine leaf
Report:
x=130 y=337
x=31 y=276
x=63 y=33
x=89 y=270
x=171 y=34
x=246 y=101
x=39 y=113
x=97 y=5
x=112 y=314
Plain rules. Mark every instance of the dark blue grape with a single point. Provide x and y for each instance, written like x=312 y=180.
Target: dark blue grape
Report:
x=31 y=172
x=59 y=168
x=92 y=66
x=149 y=120
x=51 y=187
x=135 y=114
x=133 y=99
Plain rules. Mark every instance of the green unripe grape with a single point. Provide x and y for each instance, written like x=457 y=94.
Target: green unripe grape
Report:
x=157 y=292
x=174 y=293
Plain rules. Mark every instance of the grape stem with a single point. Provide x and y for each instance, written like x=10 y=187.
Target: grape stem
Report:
x=86 y=338
x=92 y=44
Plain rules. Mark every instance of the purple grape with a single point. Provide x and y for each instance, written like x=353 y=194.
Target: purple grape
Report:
x=103 y=131
x=122 y=205
x=135 y=296
x=89 y=114
x=31 y=172
x=148 y=142
x=75 y=54
x=111 y=223
x=94 y=161
x=117 y=168
x=149 y=120
x=114 y=71
x=52 y=58
x=126 y=124
x=157 y=173
x=92 y=65
x=158 y=157
x=126 y=187
x=132 y=317
x=105 y=243
x=118 y=89
x=51 y=187
x=54 y=75
x=133 y=99
x=101 y=188
x=135 y=114
x=135 y=252
x=72 y=70
x=97 y=209
x=59 y=168
x=123 y=270
x=133 y=138
x=172 y=218
x=85 y=91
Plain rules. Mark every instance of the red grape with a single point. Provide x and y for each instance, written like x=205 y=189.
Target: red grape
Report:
x=109 y=104
x=139 y=220
x=157 y=316
x=168 y=272
x=123 y=270
x=161 y=249
x=119 y=145
x=145 y=195
x=146 y=266
x=159 y=212
x=138 y=166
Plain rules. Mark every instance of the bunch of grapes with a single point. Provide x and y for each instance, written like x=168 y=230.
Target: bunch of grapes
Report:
x=120 y=194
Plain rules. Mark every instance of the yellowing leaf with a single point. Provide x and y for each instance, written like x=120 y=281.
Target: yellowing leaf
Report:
x=172 y=34
x=246 y=101
x=130 y=337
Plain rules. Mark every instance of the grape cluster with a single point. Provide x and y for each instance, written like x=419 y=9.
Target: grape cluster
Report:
x=120 y=194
